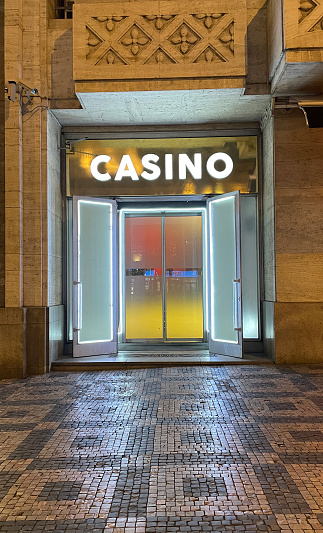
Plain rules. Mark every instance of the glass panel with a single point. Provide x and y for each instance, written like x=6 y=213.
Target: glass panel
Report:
x=184 y=282
x=222 y=268
x=249 y=268
x=95 y=271
x=143 y=264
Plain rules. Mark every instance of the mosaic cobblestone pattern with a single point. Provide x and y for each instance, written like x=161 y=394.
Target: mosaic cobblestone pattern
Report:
x=198 y=449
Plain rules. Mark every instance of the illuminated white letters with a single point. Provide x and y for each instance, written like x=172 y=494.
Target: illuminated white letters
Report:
x=195 y=168
x=126 y=169
x=148 y=162
x=94 y=167
x=186 y=164
x=219 y=174
x=168 y=166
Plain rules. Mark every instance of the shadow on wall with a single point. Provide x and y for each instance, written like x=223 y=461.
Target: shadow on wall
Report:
x=257 y=57
x=62 y=83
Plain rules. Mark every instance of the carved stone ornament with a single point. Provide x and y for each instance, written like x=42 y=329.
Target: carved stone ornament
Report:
x=159 y=21
x=306 y=7
x=227 y=37
x=110 y=23
x=135 y=39
x=112 y=58
x=210 y=55
x=132 y=40
x=208 y=19
x=93 y=41
x=318 y=26
x=160 y=57
x=184 y=38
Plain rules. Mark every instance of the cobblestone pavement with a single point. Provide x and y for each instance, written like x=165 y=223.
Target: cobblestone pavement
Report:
x=198 y=449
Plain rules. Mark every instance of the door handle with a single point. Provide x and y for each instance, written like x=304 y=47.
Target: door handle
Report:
x=236 y=297
x=78 y=294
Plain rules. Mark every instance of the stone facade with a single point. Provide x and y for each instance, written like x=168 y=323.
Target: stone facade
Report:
x=251 y=48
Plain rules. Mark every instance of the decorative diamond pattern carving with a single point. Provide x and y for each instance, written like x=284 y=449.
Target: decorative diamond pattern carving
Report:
x=93 y=41
x=110 y=23
x=210 y=55
x=136 y=39
x=160 y=57
x=184 y=38
x=310 y=16
x=159 y=21
x=112 y=58
x=306 y=8
x=303 y=24
x=170 y=43
x=318 y=26
x=227 y=37
x=209 y=20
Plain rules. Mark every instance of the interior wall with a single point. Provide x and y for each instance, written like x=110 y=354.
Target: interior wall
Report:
x=268 y=231
x=55 y=232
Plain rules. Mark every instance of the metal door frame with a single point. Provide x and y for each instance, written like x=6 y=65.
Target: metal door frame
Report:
x=161 y=212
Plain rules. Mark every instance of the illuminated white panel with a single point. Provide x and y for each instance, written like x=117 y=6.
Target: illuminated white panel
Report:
x=95 y=305
x=222 y=269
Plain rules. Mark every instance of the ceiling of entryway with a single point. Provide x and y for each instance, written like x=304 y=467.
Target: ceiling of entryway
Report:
x=164 y=108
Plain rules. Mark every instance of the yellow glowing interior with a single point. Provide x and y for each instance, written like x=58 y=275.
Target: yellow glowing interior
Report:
x=183 y=297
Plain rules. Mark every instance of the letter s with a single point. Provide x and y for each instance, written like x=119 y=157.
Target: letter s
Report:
x=148 y=162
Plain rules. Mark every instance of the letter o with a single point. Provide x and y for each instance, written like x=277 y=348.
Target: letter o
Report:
x=94 y=167
x=219 y=174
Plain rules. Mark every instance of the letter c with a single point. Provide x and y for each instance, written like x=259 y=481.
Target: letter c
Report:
x=94 y=167
x=219 y=174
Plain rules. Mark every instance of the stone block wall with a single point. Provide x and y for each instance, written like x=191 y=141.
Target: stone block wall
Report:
x=30 y=332
x=299 y=239
x=2 y=156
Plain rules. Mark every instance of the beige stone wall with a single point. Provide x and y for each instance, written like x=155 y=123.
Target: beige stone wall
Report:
x=256 y=47
x=299 y=239
x=184 y=45
x=295 y=46
x=60 y=60
x=29 y=332
x=2 y=133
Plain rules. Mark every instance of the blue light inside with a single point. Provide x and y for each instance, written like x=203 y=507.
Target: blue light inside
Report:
x=174 y=273
x=184 y=274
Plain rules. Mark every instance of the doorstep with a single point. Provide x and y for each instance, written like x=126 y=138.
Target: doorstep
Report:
x=145 y=359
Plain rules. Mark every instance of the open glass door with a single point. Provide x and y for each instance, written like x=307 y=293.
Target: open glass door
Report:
x=95 y=276
x=225 y=303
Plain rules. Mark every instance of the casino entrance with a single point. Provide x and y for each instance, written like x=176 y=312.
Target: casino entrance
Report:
x=158 y=274
x=162 y=238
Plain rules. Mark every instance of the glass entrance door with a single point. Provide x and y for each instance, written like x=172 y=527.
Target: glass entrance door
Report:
x=94 y=276
x=225 y=295
x=163 y=272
